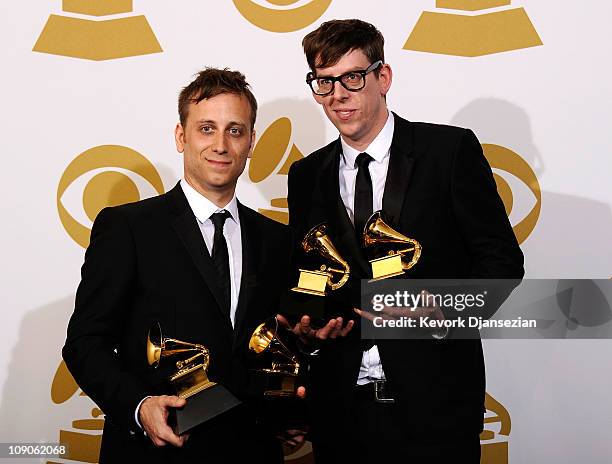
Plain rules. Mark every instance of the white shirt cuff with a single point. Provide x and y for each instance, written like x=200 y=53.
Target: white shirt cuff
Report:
x=137 y=411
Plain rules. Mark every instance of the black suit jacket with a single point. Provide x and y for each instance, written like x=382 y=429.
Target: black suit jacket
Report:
x=440 y=191
x=147 y=262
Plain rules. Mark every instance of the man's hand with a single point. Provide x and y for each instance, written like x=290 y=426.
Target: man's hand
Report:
x=309 y=336
x=153 y=417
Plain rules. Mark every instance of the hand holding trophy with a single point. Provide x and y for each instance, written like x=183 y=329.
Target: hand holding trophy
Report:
x=205 y=399
x=279 y=374
x=324 y=270
x=281 y=366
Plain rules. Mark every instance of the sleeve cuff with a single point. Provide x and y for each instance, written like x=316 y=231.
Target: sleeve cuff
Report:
x=136 y=414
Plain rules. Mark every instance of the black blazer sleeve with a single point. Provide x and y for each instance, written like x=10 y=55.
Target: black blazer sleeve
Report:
x=102 y=301
x=481 y=216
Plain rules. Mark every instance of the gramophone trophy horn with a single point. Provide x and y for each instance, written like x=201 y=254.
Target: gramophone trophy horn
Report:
x=332 y=274
x=403 y=252
x=283 y=368
x=206 y=399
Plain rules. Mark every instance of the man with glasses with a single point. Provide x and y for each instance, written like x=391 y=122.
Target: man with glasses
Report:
x=394 y=400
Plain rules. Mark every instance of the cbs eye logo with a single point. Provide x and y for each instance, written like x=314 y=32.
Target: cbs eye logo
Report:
x=107 y=175
x=518 y=174
x=279 y=19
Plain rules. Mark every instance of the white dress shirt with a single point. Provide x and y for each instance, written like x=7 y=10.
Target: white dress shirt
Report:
x=380 y=148
x=203 y=209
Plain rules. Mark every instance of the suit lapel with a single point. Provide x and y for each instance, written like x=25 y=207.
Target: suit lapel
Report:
x=186 y=227
x=399 y=172
x=250 y=235
x=340 y=224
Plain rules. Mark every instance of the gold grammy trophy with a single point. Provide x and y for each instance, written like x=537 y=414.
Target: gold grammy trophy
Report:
x=317 y=282
x=403 y=254
x=205 y=399
x=283 y=365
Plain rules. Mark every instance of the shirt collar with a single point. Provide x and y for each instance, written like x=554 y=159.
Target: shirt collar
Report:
x=378 y=149
x=203 y=208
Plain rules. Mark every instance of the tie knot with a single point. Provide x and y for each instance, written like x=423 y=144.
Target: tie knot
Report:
x=363 y=159
x=218 y=219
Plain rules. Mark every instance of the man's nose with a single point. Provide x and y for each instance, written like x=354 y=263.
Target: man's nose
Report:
x=219 y=144
x=340 y=93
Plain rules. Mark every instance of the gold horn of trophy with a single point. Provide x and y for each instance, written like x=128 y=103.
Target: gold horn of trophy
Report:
x=206 y=399
x=334 y=276
x=284 y=366
x=402 y=252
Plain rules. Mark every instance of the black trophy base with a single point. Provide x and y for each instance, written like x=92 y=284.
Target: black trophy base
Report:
x=297 y=304
x=281 y=408
x=202 y=407
x=284 y=412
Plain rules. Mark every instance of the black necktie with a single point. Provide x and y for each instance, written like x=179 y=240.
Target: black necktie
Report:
x=363 y=194
x=220 y=257
x=363 y=209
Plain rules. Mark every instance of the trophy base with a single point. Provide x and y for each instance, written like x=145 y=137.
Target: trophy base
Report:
x=281 y=385
x=201 y=407
x=308 y=291
x=283 y=409
x=297 y=303
x=386 y=276
x=387 y=266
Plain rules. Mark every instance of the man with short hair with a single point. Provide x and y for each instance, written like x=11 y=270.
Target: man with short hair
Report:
x=433 y=184
x=195 y=259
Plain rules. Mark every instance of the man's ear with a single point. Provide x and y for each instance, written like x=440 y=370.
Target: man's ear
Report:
x=252 y=147
x=385 y=77
x=179 y=137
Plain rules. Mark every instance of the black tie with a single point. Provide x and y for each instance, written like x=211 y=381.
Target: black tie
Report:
x=363 y=209
x=220 y=257
x=363 y=194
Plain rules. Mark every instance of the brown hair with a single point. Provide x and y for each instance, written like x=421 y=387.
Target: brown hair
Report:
x=211 y=82
x=325 y=46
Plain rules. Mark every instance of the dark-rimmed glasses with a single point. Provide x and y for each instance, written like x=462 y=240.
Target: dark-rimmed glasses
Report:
x=352 y=80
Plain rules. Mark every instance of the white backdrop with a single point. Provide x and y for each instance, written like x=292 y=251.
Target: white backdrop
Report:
x=549 y=104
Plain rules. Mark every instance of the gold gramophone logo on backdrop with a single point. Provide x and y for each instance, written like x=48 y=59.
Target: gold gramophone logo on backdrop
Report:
x=83 y=442
x=113 y=170
x=506 y=160
x=494 y=437
x=482 y=33
x=276 y=18
x=274 y=150
x=94 y=38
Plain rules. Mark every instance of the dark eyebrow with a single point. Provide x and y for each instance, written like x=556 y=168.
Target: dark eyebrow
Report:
x=237 y=123
x=214 y=124
x=346 y=72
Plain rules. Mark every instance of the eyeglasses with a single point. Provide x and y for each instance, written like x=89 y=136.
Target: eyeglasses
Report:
x=352 y=81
